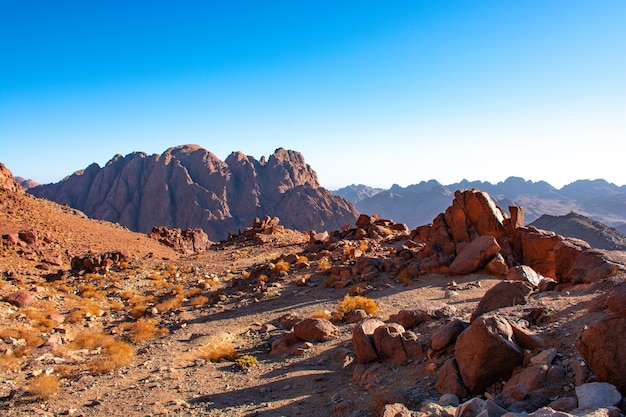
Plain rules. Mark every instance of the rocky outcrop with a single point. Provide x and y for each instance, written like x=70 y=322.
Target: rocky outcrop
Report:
x=189 y=187
x=183 y=241
x=7 y=182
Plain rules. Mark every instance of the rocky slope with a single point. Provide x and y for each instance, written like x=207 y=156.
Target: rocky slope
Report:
x=597 y=234
x=597 y=199
x=189 y=187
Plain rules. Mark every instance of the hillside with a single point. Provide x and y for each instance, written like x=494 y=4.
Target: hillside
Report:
x=597 y=199
x=369 y=320
x=189 y=187
x=597 y=234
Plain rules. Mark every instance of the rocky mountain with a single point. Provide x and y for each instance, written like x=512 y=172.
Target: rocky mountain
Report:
x=357 y=192
x=417 y=204
x=597 y=234
x=189 y=187
x=26 y=183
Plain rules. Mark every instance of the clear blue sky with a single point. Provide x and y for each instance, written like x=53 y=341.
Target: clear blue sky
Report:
x=370 y=92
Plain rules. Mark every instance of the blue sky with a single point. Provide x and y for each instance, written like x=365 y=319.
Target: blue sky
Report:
x=370 y=92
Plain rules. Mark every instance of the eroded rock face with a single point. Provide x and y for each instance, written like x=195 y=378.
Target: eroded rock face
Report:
x=7 y=182
x=189 y=187
x=486 y=352
x=596 y=264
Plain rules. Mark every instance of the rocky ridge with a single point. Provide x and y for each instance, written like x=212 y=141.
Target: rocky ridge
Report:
x=530 y=325
x=189 y=187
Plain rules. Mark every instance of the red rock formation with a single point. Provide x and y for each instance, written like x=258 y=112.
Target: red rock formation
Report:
x=189 y=187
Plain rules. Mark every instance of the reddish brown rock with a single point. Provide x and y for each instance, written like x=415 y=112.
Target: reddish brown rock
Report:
x=184 y=241
x=363 y=340
x=503 y=294
x=525 y=274
x=604 y=353
x=388 y=342
x=475 y=255
x=447 y=334
x=449 y=380
x=596 y=264
x=565 y=253
x=482 y=214
x=315 y=330
x=423 y=312
x=7 y=182
x=497 y=266
x=396 y=410
x=412 y=345
x=486 y=352
x=538 y=249
x=20 y=299
x=617 y=299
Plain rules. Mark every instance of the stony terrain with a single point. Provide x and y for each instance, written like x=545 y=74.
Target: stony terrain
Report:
x=374 y=319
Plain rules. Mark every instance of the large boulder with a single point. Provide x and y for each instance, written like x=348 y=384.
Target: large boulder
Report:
x=524 y=273
x=184 y=241
x=423 y=312
x=315 y=330
x=363 y=340
x=447 y=334
x=503 y=294
x=603 y=351
x=596 y=264
x=565 y=253
x=389 y=344
x=449 y=380
x=538 y=249
x=486 y=352
x=475 y=255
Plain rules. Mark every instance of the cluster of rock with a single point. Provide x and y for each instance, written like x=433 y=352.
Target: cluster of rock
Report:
x=189 y=187
x=474 y=233
x=97 y=263
x=185 y=241
x=300 y=334
x=34 y=245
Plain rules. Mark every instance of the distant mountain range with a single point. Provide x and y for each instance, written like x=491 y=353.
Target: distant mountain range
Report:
x=189 y=187
x=418 y=204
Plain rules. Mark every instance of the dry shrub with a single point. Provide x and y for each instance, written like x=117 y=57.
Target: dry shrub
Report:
x=39 y=319
x=324 y=264
x=155 y=277
x=67 y=371
x=63 y=287
x=281 y=266
x=199 y=300
x=246 y=361
x=115 y=353
x=170 y=303
x=193 y=292
x=358 y=289
x=44 y=386
x=216 y=352
x=321 y=314
x=116 y=305
x=144 y=329
x=364 y=245
x=350 y=303
x=245 y=274
x=32 y=337
x=406 y=276
x=262 y=278
x=9 y=362
x=302 y=259
x=330 y=281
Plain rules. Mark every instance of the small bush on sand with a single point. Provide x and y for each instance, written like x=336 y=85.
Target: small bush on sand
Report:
x=321 y=314
x=145 y=329
x=281 y=266
x=324 y=265
x=199 y=300
x=350 y=303
x=216 y=352
x=44 y=386
x=246 y=361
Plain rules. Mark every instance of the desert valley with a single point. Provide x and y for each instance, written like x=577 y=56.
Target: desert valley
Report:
x=183 y=285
